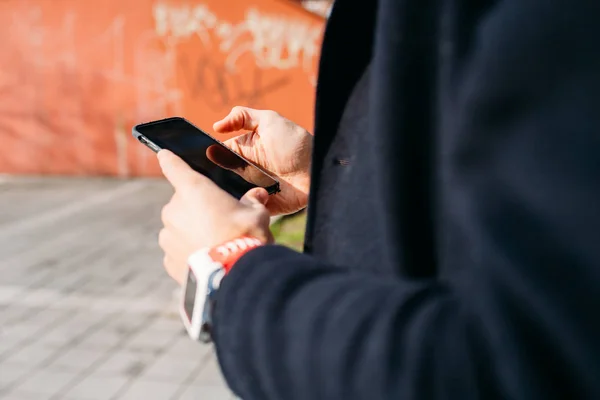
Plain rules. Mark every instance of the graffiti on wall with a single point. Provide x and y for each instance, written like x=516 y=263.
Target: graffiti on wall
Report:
x=274 y=41
x=266 y=41
x=72 y=84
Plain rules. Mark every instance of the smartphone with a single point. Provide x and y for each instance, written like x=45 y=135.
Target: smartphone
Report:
x=198 y=149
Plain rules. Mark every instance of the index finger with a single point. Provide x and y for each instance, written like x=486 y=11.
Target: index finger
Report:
x=177 y=171
x=239 y=118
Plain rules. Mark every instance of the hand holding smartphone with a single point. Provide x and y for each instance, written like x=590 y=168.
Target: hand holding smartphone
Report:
x=198 y=149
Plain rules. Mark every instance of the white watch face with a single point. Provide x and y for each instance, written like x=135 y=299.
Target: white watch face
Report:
x=189 y=296
x=194 y=300
x=192 y=304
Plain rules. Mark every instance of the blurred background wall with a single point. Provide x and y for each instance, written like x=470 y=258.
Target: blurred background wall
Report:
x=75 y=75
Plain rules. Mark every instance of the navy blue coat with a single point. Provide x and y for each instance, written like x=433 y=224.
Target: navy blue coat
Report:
x=483 y=127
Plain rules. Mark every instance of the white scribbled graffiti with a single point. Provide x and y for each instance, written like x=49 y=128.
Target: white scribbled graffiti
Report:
x=275 y=41
x=181 y=22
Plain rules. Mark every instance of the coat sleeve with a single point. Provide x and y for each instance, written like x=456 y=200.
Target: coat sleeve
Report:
x=520 y=318
x=289 y=327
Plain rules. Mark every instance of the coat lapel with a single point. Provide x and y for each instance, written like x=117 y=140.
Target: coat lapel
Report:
x=346 y=52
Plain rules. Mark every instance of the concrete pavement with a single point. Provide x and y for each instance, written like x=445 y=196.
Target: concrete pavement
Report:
x=86 y=310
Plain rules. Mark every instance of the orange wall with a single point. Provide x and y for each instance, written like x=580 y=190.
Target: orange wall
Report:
x=75 y=75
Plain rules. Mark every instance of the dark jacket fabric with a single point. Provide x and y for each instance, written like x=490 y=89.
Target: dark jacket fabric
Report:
x=454 y=252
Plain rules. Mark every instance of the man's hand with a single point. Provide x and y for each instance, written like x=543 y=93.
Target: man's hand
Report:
x=200 y=214
x=274 y=143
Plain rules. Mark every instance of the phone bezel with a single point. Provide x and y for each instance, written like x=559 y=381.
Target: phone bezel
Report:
x=273 y=189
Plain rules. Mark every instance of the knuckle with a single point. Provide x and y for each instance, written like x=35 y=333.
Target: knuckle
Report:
x=165 y=212
x=163 y=238
x=167 y=264
x=271 y=115
x=256 y=223
x=229 y=142
x=256 y=216
x=234 y=145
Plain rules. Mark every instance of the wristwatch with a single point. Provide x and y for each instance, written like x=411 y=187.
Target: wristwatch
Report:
x=206 y=269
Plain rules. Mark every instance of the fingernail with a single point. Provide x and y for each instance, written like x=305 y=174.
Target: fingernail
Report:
x=262 y=197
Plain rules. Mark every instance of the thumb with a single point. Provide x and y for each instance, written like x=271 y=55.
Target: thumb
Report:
x=228 y=160
x=256 y=196
x=239 y=118
x=177 y=171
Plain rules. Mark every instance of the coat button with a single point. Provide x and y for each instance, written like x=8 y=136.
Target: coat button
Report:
x=341 y=161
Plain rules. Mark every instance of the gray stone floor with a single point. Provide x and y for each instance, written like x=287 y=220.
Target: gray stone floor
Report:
x=86 y=310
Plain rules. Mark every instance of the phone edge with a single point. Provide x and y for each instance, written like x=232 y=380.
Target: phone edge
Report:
x=273 y=189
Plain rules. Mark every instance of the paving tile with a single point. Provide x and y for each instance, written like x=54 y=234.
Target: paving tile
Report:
x=206 y=393
x=76 y=359
x=83 y=322
x=96 y=334
x=149 y=390
x=125 y=363
x=58 y=337
x=8 y=343
x=91 y=285
x=45 y=317
x=73 y=302
x=147 y=305
x=68 y=281
x=185 y=347
x=140 y=283
x=31 y=329
x=104 y=339
x=21 y=395
x=11 y=313
x=24 y=331
x=45 y=382
x=10 y=372
x=42 y=296
x=70 y=330
x=33 y=355
x=126 y=323
x=168 y=324
x=96 y=388
x=210 y=375
x=150 y=341
x=94 y=288
x=172 y=369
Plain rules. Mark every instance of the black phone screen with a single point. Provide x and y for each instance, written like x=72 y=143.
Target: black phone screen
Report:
x=207 y=156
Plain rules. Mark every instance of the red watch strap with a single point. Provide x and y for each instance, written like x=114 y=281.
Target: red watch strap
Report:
x=229 y=252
